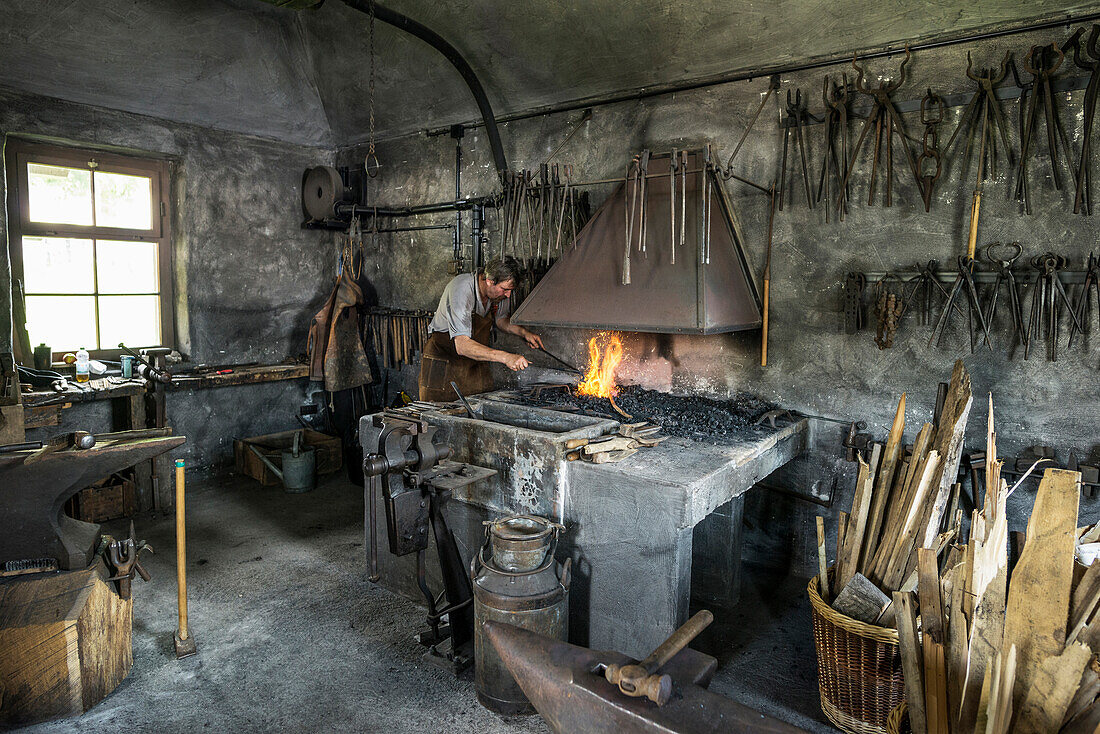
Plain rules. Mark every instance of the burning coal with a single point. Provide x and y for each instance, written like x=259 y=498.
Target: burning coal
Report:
x=605 y=353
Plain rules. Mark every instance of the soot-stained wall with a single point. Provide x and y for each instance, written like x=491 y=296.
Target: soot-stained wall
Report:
x=813 y=366
x=247 y=277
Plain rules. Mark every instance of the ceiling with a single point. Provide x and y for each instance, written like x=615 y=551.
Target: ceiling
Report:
x=245 y=66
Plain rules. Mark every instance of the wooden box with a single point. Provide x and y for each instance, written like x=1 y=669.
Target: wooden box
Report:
x=108 y=499
x=330 y=454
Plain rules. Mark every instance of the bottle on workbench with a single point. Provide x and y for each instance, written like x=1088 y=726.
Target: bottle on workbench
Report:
x=82 y=364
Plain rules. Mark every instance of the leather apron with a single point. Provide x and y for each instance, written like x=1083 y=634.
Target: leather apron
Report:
x=441 y=364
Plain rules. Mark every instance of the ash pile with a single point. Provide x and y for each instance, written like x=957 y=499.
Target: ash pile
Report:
x=694 y=417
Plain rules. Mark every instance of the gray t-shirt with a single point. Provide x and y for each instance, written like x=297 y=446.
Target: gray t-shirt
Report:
x=459 y=303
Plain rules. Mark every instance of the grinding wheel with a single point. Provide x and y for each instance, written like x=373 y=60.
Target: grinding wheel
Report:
x=322 y=187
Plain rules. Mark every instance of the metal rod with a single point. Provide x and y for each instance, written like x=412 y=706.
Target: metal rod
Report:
x=749 y=74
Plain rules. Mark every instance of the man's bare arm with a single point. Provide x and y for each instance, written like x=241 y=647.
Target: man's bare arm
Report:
x=467 y=347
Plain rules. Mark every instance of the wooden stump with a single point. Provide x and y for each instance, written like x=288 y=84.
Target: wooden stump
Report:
x=65 y=643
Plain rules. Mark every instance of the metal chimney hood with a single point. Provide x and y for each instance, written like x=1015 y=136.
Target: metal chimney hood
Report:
x=585 y=288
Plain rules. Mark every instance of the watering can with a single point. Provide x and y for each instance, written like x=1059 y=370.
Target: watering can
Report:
x=299 y=471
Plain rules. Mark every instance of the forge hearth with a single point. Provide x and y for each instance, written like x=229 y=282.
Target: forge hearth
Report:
x=631 y=526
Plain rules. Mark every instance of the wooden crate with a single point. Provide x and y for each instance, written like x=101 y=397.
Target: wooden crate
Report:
x=330 y=454
x=108 y=499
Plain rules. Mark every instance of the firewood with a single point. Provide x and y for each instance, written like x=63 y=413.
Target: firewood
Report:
x=912 y=659
x=899 y=509
x=1086 y=722
x=884 y=482
x=1084 y=601
x=822 y=561
x=841 y=529
x=898 y=561
x=932 y=639
x=999 y=711
x=1045 y=700
x=949 y=444
x=957 y=641
x=860 y=599
x=847 y=563
x=1087 y=691
x=1039 y=595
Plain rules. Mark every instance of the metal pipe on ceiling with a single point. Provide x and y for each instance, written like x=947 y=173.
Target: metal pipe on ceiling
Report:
x=440 y=44
x=658 y=90
x=449 y=52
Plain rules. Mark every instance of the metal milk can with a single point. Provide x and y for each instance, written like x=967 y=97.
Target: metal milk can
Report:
x=521 y=584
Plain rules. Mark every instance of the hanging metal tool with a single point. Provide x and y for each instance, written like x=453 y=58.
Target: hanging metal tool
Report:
x=888 y=310
x=773 y=86
x=767 y=279
x=886 y=121
x=673 y=166
x=1087 y=57
x=1003 y=257
x=1041 y=66
x=929 y=163
x=964 y=284
x=1084 y=298
x=852 y=304
x=834 y=169
x=1045 y=301
x=982 y=106
x=797 y=116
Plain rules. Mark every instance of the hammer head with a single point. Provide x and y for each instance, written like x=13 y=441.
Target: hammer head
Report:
x=185 y=646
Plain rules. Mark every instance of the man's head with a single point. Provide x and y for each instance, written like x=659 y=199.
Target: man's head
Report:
x=500 y=277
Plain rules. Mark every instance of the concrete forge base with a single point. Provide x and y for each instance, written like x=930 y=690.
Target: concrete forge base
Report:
x=631 y=526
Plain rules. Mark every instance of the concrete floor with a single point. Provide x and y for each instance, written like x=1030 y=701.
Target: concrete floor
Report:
x=292 y=636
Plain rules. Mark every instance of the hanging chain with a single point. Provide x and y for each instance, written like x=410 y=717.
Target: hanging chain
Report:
x=371 y=163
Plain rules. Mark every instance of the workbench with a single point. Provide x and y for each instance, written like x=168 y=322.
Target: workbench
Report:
x=44 y=408
x=641 y=532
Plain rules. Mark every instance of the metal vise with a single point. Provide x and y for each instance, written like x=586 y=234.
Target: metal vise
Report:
x=35 y=485
x=401 y=461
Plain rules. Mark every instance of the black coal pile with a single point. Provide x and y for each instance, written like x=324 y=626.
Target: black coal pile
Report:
x=695 y=417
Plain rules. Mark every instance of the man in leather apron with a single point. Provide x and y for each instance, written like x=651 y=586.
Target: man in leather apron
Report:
x=458 y=345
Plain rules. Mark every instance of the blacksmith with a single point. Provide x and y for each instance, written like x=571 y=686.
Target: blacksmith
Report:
x=458 y=345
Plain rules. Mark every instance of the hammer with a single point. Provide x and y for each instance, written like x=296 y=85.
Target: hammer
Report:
x=642 y=678
x=76 y=439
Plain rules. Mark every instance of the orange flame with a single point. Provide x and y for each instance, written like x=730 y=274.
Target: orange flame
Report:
x=605 y=352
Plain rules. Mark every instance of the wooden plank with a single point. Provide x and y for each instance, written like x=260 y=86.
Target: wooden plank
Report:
x=822 y=561
x=884 y=481
x=912 y=659
x=999 y=713
x=1039 y=595
x=1087 y=691
x=1083 y=602
x=932 y=621
x=242 y=376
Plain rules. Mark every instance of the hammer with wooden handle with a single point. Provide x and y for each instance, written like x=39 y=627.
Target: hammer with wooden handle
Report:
x=642 y=679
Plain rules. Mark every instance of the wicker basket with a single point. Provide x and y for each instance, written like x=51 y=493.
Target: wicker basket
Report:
x=898 y=721
x=859 y=668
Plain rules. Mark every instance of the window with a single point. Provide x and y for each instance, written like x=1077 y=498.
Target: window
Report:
x=88 y=239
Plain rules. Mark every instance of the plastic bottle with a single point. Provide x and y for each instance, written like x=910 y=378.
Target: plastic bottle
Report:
x=82 y=360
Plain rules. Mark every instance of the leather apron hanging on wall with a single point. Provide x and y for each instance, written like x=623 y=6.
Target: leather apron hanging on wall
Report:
x=441 y=364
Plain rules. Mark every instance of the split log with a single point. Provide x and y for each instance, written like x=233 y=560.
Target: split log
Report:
x=822 y=561
x=848 y=561
x=932 y=642
x=912 y=659
x=1053 y=684
x=861 y=600
x=884 y=482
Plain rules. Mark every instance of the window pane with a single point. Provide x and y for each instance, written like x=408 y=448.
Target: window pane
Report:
x=123 y=201
x=57 y=265
x=59 y=195
x=126 y=267
x=64 y=323
x=133 y=320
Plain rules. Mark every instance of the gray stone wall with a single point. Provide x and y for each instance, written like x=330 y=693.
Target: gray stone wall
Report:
x=814 y=367
x=247 y=277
